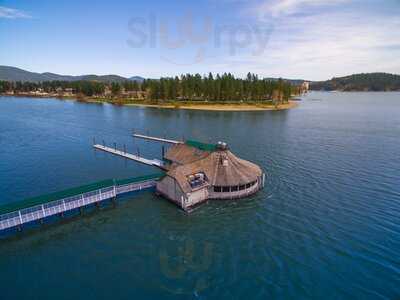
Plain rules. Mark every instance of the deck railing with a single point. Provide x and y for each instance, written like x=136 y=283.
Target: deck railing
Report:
x=48 y=205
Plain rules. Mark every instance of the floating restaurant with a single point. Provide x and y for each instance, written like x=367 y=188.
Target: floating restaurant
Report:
x=197 y=172
x=192 y=173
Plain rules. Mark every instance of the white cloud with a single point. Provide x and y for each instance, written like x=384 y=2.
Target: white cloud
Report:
x=12 y=13
x=324 y=43
x=278 y=8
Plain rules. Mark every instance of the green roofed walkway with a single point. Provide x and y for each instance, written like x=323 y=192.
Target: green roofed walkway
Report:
x=32 y=209
x=201 y=146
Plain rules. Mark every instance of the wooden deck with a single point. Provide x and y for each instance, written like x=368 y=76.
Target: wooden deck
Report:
x=151 y=162
x=157 y=139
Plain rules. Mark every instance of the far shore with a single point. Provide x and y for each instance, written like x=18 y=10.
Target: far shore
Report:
x=187 y=105
x=221 y=107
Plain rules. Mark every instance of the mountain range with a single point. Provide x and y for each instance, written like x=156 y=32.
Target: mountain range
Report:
x=355 y=82
x=8 y=73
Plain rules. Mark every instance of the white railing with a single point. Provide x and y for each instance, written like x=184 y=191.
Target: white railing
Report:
x=38 y=212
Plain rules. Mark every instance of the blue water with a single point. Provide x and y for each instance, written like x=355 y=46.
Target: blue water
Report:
x=327 y=224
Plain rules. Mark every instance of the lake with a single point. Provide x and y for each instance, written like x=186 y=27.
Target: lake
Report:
x=327 y=224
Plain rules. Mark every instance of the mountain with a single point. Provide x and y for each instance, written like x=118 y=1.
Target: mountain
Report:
x=137 y=78
x=15 y=74
x=360 y=82
x=8 y=73
x=291 y=81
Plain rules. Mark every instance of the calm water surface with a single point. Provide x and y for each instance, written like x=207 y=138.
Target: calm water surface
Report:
x=327 y=224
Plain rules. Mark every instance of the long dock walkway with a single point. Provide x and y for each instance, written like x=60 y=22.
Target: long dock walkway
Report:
x=33 y=209
x=151 y=162
x=157 y=139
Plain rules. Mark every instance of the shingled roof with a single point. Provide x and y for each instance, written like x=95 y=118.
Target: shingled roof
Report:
x=221 y=167
x=180 y=154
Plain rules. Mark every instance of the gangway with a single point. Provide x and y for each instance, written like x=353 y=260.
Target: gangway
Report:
x=35 y=209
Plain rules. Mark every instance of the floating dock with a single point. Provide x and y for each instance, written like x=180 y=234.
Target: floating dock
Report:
x=157 y=139
x=36 y=209
x=150 y=162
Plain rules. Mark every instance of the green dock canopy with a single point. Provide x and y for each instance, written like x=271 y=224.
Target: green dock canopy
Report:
x=201 y=146
x=43 y=199
x=138 y=179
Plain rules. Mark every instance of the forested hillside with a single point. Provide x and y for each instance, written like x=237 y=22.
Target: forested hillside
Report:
x=360 y=82
x=187 y=87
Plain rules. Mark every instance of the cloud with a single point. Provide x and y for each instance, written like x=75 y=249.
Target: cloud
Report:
x=324 y=42
x=277 y=8
x=12 y=13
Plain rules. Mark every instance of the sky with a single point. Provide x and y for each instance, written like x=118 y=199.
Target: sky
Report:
x=305 y=39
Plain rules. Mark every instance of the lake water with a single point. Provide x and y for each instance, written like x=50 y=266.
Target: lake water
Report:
x=327 y=224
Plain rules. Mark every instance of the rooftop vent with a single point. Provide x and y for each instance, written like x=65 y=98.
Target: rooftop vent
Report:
x=222 y=146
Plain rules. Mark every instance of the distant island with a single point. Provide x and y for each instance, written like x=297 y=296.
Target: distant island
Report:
x=359 y=82
x=211 y=92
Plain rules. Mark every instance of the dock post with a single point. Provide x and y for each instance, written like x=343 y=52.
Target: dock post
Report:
x=104 y=144
x=115 y=146
x=81 y=210
x=114 y=199
x=124 y=148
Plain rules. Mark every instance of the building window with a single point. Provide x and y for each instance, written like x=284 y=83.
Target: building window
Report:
x=225 y=189
x=197 y=179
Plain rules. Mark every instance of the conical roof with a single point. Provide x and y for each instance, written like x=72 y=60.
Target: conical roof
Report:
x=221 y=167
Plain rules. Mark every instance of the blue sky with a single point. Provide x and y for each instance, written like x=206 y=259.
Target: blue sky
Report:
x=311 y=39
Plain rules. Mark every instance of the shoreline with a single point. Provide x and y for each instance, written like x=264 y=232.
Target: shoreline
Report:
x=219 y=106
x=205 y=106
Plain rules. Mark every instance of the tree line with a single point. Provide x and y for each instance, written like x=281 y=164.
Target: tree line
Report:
x=360 y=82
x=187 y=87
x=223 y=87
